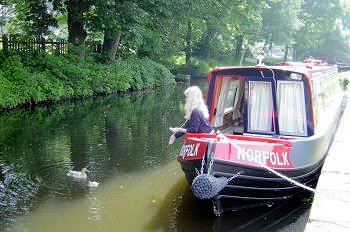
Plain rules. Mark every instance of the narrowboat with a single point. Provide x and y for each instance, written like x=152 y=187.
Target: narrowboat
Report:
x=275 y=126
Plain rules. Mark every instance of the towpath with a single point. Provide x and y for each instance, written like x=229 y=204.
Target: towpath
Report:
x=330 y=208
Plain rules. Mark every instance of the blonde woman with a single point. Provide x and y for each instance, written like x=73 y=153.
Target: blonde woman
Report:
x=197 y=116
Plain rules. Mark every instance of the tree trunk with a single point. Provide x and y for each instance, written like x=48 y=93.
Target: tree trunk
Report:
x=207 y=41
x=43 y=45
x=188 y=50
x=110 y=45
x=239 y=43
x=76 y=31
x=271 y=45
x=285 y=57
x=243 y=54
x=5 y=47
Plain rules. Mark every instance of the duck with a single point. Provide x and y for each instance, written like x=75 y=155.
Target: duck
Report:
x=77 y=174
x=93 y=184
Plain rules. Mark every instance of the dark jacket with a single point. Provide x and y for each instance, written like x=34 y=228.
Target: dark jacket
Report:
x=196 y=124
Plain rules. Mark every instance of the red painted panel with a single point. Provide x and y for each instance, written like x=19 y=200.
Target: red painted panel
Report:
x=192 y=149
x=241 y=149
x=273 y=155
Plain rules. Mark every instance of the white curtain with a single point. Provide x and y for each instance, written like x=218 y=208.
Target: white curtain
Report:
x=238 y=99
x=291 y=109
x=260 y=106
x=220 y=109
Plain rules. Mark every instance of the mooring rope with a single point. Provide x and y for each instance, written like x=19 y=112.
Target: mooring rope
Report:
x=313 y=190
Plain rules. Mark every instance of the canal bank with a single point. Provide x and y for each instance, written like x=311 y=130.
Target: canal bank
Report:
x=329 y=211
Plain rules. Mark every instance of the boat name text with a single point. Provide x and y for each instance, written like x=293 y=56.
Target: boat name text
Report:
x=189 y=150
x=259 y=156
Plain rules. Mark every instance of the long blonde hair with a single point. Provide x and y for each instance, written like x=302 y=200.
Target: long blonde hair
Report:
x=194 y=99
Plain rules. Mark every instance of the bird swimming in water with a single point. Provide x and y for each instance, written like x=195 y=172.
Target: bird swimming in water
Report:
x=77 y=174
x=93 y=184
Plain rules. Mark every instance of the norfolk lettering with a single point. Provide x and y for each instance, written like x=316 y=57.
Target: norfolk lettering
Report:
x=258 y=156
x=189 y=150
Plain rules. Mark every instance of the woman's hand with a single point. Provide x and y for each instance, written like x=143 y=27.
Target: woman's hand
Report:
x=172 y=139
x=177 y=129
x=174 y=129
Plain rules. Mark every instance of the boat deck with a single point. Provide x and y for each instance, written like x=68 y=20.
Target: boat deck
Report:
x=232 y=130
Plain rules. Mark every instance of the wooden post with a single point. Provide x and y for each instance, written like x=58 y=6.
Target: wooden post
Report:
x=57 y=46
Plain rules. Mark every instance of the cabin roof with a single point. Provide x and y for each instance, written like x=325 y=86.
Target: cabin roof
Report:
x=298 y=67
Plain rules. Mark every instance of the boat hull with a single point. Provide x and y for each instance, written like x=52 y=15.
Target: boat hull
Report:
x=254 y=186
x=278 y=160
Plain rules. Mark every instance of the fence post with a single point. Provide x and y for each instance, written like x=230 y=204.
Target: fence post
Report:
x=57 y=48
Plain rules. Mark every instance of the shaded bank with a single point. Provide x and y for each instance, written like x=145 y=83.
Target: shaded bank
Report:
x=32 y=80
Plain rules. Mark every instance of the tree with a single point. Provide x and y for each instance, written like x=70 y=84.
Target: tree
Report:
x=126 y=23
x=334 y=48
x=76 y=29
x=318 y=18
x=33 y=17
x=215 y=22
x=6 y=15
x=246 y=23
x=280 y=23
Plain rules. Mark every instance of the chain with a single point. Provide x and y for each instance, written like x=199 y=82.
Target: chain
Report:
x=211 y=161
x=203 y=160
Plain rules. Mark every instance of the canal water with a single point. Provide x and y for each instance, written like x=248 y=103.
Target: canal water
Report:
x=123 y=142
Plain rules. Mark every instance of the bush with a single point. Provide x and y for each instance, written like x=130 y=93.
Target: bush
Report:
x=344 y=79
x=344 y=83
x=7 y=99
x=14 y=76
x=52 y=78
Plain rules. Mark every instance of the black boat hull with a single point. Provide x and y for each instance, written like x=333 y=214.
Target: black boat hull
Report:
x=254 y=186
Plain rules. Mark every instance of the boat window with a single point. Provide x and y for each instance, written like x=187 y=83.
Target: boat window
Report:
x=227 y=98
x=231 y=95
x=220 y=108
x=291 y=108
x=260 y=108
x=237 y=109
x=324 y=91
x=316 y=101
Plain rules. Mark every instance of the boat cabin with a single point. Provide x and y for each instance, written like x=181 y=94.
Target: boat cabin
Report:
x=281 y=101
x=278 y=123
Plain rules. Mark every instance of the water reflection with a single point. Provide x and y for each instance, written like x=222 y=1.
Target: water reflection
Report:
x=123 y=142
x=110 y=135
x=180 y=211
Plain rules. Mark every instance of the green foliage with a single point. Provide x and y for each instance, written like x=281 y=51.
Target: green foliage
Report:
x=32 y=17
x=344 y=79
x=318 y=18
x=280 y=21
x=199 y=68
x=14 y=76
x=201 y=33
x=51 y=78
x=148 y=73
x=120 y=76
x=6 y=95
x=344 y=83
x=162 y=74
